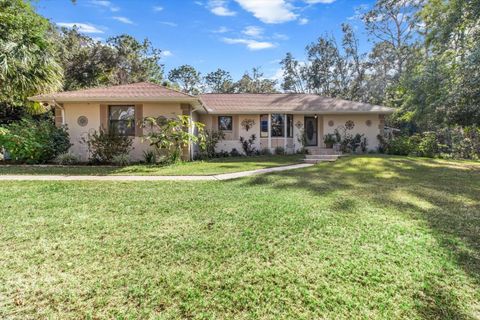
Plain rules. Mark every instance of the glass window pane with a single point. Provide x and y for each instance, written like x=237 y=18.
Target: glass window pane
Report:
x=122 y=120
x=225 y=123
x=122 y=112
x=264 y=126
x=278 y=125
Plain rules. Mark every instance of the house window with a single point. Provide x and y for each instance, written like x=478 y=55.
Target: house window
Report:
x=289 y=125
x=264 y=126
x=225 y=123
x=122 y=120
x=278 y=125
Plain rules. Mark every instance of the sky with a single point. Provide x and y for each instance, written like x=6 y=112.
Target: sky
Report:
x=234 y=35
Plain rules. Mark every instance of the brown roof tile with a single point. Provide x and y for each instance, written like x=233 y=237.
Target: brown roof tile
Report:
x=134 y=91
x=288 y=102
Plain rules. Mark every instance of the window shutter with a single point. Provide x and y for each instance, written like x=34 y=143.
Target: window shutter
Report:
x=235 y=127
x=215 y=123
x=138 y=120
x=58 y=117
x=104 y=116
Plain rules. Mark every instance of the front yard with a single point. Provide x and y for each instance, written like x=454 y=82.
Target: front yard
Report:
x=195 y=168
x=364 y=237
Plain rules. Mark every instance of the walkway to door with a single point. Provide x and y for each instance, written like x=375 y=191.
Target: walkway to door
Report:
x=225 y=176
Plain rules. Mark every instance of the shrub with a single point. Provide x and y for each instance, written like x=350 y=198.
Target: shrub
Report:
x=248 y=145
x=461 y=143
x=212 y=138
x=302 y=140
x=279 y=150
x=235 y=153
x=451 y=143
x=150 y=157
x=266 y=152
x=103 y=146
x=348 y=142
x=400 y=146
x=425 y=145
x=66 y=158
x=122 y=159
x=329 y=139
x=170 y=135
x=33 y=141
x=222 y=154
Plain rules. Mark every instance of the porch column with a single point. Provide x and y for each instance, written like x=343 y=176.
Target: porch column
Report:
x=285 y=133
x=269 y=131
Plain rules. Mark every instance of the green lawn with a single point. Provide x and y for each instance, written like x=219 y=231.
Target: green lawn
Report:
x=361 y=238
x=198 y=168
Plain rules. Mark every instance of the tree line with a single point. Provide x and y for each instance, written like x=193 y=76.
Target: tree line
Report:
x=424 y=61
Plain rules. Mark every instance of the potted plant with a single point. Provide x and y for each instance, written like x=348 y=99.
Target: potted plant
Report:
x=329 y=139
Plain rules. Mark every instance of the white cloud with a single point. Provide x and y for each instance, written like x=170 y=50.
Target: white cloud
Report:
x=82 y=27
x=219 y=8
x=105 y=4
x=303 y=21
x=277 y=75
x=166 y=53
x=280 y=36
x=222 y=29
x=157 y=8
x=269 y=11
x=123 y=20
x=251 y=44
x=319 y=1
x=253 y=31
x=168 y=23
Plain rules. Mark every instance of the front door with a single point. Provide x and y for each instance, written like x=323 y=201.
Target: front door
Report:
x=311 y=138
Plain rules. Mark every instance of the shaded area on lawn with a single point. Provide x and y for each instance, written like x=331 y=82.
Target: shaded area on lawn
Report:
x=198 y=168
x=365 y=237
x=425 y=189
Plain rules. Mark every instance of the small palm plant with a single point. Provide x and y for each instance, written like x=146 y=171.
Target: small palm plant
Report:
x=169 y=136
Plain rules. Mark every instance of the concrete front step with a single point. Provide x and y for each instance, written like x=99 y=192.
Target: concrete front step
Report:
x=316 y=158
x=314 y=161
x=323 y=151
x=321 y=156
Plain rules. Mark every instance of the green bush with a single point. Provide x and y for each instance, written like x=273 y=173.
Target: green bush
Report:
x=266 y=152
x=399 y=145
x=30 y=141
x=248 y=145
x=426 y=145
x=66 y=158
x=150 y=157
x=122 y=159
x=212 y=138
x=451 y=143
x=103 y=146
x=279 y=150
x=235 y=153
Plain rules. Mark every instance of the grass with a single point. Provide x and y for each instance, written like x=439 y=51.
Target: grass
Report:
x=361 y=238
x=197 y=168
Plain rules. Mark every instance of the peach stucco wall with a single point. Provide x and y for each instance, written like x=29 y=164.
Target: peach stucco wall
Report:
x=293 y=144
x=361 y=127
x=92 y=112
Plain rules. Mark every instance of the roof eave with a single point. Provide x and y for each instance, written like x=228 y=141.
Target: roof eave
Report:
x=216 y=112
x=113 y=99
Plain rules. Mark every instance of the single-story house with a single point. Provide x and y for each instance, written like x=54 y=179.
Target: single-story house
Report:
x=277 y=120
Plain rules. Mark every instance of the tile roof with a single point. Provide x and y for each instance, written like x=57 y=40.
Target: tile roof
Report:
x=134 y=91
x=237 y=103
x=288 y=102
